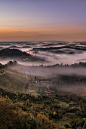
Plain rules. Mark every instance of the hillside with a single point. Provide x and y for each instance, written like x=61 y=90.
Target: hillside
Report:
x=12 y=80
x=12 y=52
x=27 y=111
x=19 y=55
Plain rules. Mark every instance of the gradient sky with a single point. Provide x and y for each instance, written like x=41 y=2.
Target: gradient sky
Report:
x=27 y=20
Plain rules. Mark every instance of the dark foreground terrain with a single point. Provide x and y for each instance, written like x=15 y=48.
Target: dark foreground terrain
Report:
x=29 y=111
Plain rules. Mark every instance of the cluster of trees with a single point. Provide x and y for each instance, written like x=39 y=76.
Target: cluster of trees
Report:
x=78 y=123
x=80 y=64
x=8 y=64
x=10 y=120
x=73 y=79
x=11 y=52
x=40 y=122
x=67 y=80
x=40 y=110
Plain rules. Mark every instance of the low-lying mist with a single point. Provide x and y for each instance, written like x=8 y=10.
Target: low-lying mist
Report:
x=48 y=71
x=59 y=77
x=77 y=89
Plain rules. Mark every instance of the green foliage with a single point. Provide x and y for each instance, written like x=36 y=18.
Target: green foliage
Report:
x=37 y=112
x=78 y=123
x=27 y=122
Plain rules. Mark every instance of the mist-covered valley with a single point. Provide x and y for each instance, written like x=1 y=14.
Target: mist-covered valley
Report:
x=58 y=65
x=44 y=80
x=52 y=52
x=67 y=79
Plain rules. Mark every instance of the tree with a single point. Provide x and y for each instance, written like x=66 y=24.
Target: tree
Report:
x=81 y=104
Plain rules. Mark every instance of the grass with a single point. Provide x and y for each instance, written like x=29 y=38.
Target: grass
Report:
x=35 y=87
x=64 y=104
x=13 y=81
x=72 y=102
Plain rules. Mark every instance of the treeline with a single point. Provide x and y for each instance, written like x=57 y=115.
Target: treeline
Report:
x=8 y=64
x=80 y=64
x=67 y=81
x=65 y=46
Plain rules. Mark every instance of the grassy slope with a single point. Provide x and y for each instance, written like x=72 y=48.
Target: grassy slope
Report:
x=13 y=81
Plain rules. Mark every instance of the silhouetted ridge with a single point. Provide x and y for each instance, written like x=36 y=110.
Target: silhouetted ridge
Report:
x=12 y=52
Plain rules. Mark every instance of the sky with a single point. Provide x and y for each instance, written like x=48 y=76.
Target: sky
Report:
x=37 y=20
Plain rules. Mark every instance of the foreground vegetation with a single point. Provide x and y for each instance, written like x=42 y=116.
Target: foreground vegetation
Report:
x=28 y=111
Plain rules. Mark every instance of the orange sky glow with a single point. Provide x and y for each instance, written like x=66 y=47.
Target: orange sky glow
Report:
x=60 y=33
x=24 y=20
